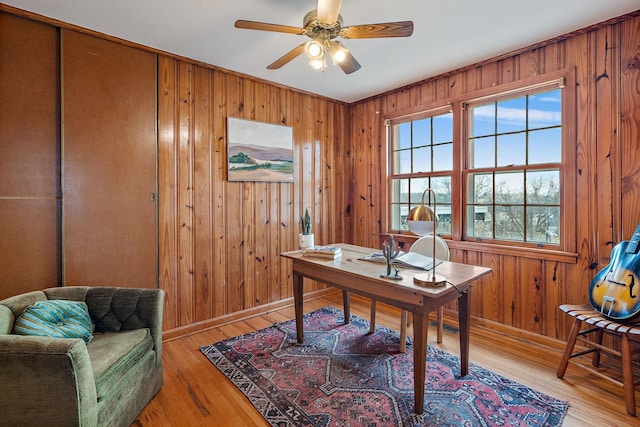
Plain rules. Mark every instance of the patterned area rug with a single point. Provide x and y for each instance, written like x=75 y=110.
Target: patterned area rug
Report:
x=343 y=376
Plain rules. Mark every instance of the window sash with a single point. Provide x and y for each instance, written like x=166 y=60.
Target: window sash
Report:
x=504 y=153
x=421 y=156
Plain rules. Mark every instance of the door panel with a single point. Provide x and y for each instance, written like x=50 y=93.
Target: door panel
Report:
x=109 y=163
x=29 y=160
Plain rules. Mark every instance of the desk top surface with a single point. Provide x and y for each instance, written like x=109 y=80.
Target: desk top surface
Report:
x=351 y=264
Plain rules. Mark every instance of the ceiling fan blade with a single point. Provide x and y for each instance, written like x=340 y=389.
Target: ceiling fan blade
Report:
x=262 y=26
x=328 y=11
x=286 y=58
x=371 y=31
x=349 y=64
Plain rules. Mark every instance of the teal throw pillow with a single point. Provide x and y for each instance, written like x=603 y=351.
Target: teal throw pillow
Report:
x=57 y=319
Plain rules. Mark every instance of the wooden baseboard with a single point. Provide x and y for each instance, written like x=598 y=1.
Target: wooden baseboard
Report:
x=193 y=328
x=482 y=327
x=488 y=327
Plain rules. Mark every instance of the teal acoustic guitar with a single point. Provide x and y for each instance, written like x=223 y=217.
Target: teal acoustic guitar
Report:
x=615 y=289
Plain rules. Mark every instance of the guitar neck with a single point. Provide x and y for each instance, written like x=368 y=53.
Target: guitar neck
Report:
x=634 y=243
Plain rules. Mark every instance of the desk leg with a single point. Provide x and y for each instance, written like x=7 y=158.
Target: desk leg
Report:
x=346 y=303
x=404 y=320
x=464 y=318
x=420 y=336
x=298 y=300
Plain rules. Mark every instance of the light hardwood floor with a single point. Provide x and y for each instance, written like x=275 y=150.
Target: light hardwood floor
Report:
x=195 y=393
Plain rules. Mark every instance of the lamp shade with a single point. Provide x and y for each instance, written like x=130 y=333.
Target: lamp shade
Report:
x=422 y=220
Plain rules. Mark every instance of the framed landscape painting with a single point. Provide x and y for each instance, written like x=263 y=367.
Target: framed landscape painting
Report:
x=259 y=151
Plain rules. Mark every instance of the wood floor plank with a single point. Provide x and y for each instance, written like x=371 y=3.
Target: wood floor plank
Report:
x=196 y=393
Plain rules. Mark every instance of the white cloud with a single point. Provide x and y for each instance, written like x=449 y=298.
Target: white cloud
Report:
x=553 y=99
x=517 y=115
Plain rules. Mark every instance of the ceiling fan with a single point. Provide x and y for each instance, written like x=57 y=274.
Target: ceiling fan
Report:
x=323 y=25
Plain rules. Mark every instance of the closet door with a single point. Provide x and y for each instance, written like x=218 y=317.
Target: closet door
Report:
x=109 y=183
x=29 y=144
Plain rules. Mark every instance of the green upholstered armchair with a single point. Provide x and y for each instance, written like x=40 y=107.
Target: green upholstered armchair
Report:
x=63 y=381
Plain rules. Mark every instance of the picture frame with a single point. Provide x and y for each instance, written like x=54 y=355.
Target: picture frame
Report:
x=258 y=151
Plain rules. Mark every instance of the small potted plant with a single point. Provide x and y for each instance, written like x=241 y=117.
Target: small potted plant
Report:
x=305 y=238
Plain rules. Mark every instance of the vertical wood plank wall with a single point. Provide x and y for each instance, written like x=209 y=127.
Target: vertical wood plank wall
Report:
x=220 y=241
x=525 y=292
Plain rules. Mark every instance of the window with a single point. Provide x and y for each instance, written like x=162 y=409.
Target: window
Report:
x=498 y=163
x=513 y=168
x=422 y=157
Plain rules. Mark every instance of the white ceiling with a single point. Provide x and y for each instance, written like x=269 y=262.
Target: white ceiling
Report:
x=448 y=34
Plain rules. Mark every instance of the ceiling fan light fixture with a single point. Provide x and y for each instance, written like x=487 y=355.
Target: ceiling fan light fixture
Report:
x=322 y=25
x=337 y=51
x=314 y=50
x=318 y=64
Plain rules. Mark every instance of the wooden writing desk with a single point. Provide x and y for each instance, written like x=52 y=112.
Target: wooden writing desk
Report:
x=363 y=278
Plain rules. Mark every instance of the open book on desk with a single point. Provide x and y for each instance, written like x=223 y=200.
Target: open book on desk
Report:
x=407 y=259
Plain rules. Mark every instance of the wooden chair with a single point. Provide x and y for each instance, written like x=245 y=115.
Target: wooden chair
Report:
x=597 y=325
x=423 y=246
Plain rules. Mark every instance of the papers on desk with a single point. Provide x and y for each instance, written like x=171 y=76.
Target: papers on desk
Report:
x=407 y=259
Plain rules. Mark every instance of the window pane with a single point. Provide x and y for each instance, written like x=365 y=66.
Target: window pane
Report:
x=399 y=203
x=510 y=187
x=545 y=146
x=421 y=132
x=402 y=137
x=402 y=162
x=400 y=190
x=396 y=216
x=422 y=159
x=443 y=128
x=404 y=211
x=444 y=219
x=512 y=115
x=512 y=149
x=543 y=224
x=480 y=221
x=545 y=109
x=483 y=120
x=443 y=157
x=441 y=185
x=418 y=185
x=543 y=187
x=480 y=188
x=483 y=153
x=510 y=222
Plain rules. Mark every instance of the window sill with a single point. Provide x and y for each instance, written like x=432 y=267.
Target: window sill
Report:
x=406 y=240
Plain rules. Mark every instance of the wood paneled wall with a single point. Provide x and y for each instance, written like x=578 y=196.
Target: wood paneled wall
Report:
x=220 y=241
x=525 y=292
